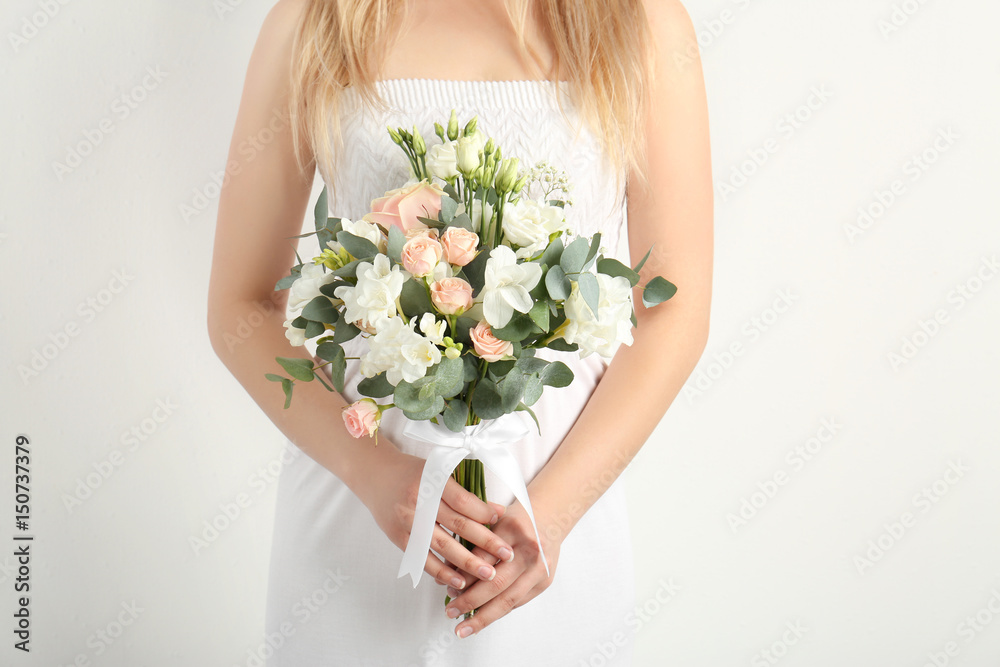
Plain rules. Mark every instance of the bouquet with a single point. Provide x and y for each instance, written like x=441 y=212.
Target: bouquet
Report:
x=456 y=279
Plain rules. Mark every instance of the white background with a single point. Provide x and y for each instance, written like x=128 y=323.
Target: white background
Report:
x=814 y=303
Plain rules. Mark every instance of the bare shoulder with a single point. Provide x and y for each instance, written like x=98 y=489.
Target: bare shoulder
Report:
x=674 y=37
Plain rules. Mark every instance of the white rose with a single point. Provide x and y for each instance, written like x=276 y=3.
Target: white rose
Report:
x=529 y=223
x=374 y=297
x=306 y=286
x=506 y=286
x=442 y=160
x=398 y=351
x=613 y=324
x=295 y=336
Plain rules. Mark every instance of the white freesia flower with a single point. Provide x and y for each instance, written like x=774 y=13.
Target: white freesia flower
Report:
x=374 y=297
x=399 y=351
x=506 y=286
x=528 y=224
x=442 y=160
x=613 y=324
x=433 y=328
x=295 y=335
x=306 y=286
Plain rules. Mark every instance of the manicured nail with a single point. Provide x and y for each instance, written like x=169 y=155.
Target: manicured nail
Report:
x=506 y=554
x=458 y=582
x=452 y=612
x=495 y=518
x=463 y=632
x=453 y=593
x=487 y=573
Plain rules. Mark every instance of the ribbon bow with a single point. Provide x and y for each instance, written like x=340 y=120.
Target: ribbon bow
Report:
x=486 y=441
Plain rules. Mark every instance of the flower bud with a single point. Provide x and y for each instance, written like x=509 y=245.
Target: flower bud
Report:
x=439 y=131
x=419 y=147
x=489 y=147
x=395 y=136
x=470 y=127
x=453 y=126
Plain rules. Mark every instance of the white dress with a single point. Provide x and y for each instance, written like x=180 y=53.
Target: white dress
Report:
x=334 y=598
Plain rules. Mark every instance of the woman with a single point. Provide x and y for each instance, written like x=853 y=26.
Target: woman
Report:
x=631 y=133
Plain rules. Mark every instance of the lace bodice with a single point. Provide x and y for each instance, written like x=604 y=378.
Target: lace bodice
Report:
x=523 y=117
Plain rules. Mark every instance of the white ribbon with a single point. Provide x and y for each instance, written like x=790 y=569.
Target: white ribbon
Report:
x=486 y=441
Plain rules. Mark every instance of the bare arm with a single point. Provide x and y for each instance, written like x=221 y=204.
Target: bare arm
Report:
x=260 y=207
x=642 y=380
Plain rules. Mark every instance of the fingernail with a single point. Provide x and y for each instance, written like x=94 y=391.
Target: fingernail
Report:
x=458 y=582
x=495 y=518
x=463 y=632
x=452 y=612
x=506 y=554
x=487 y=573
x=452 y=593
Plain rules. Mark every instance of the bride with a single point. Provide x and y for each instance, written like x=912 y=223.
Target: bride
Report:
x=630 y=73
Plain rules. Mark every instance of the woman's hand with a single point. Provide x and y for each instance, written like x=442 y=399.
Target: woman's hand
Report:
x=517 y=581
x=391 y=497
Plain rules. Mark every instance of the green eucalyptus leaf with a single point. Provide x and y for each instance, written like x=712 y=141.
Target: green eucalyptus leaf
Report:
x=462 y=220
x=449 y=377
x=657 y=290
x=475 y=271
x=456 y=413
x=556 y=374
x=274 y=378
x=448 y=208
x=486 y=401
x=518 y=328
x=612 y=267
x=642 y=262
x=358 y=247
x=343 y=330
x=321 y=309
x=557 y=284
x=553 y=252
x=574 y=256
x=349 y=270
x=395 y=243
x=532 y=389
x=286 y=386
x=595 y=247
x=321 y=212
x=300 y=369
x=561 y=345
x=511 y=390
x=539 y=314
x=313 y=329
x=414 y=299
x=431 y=222
x=376 y=387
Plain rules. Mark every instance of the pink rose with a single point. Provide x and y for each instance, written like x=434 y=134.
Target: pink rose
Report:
x=451 y=295
x=460 y=245
x=488 y=346
x=420 y=255
x=362 y=418
x=401 y=207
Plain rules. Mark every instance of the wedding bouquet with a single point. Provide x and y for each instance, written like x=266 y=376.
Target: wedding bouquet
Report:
x=456 y=279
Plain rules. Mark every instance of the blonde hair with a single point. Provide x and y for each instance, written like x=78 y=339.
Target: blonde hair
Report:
x=604 y=50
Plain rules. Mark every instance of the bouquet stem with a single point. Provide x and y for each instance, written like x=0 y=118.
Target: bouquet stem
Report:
x=471 y=475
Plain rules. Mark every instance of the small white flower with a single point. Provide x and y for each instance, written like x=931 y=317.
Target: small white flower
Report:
x=442 y=160
x=433 y=328
x=528 y=224
x=374 y=297
x=612 y=326
x=399 y=351
x=306 y=286
x=295 y=335
x=506 y=286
